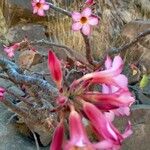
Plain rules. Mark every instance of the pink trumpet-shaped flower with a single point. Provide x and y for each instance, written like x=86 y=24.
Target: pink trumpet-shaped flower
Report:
x=84 y=21
x=104 y=127
x=2 y=90
x=111 y=76
x=57 y=139
x=55 y=68
x=125 y=110
x=11 y=50
x=118 y=99
x=78 y=137
x=39 y=6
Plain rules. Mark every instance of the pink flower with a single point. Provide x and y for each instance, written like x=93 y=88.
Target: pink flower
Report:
x=11 y=50
x=125 y=110
x=117 y=99
x=57 y=139
x=84 y=21
x=78 y=137
x=111 y=76
x=55 y=68
x=2 y=90
x=39 y=6
x=104 y=127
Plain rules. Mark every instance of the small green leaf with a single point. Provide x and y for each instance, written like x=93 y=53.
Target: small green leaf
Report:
x=144 y=81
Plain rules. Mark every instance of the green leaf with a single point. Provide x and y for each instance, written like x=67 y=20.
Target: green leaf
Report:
x=144 y=81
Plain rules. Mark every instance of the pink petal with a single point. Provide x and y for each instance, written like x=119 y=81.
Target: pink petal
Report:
x=117 y=64
x=55 y=68
x=108 y=62
x=110 y=115
x=76 y=16
x=86 y=12
x=105 y=89
x=103 y=145
x=118 y=99
x=76 y=26
x=11 y=54
x=77 y=131
x=93 y=21
x=57 y=139
x=45 y=6
x=7 y=49
x=86 y=29
x=102 y=125
x=122 y=111
x=121 y=80
x=78 y=137
x=35 y=10
x=2 y=89
x=128 y=131
x=41 y=1
x=33 y=3
x=41 y=12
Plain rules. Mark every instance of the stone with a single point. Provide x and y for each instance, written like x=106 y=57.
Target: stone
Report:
x=16 y=11
x=31 y=31
x=29 y=58
x=141 y=126
x=140 y=52
x=10 y=137
x=16 y=90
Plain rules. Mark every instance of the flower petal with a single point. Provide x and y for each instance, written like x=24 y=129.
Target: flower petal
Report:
x=86 y=12
x=102 y=125
x=76 y=26
x=78 y=137
x=93 y=21
x=57 y=139
x=45 y=6
x=41 y=12
x=108 y=62
x=86 y=29
x=76 y=16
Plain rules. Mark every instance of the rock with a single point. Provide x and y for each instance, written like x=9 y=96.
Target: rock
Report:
x=140 y=52
x=31 y=31
x=141 y=126
x=29 y=58
x=10 y=137
x=16 y=90
x=16 y=11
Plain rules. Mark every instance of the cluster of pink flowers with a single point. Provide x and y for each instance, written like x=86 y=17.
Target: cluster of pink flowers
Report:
x=81 y=21
x=97 y=107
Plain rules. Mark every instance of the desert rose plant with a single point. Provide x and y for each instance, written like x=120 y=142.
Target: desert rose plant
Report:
x=90 y=101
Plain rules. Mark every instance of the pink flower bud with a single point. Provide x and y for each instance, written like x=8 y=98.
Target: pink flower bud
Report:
x=55 y=69
x=57 y=139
